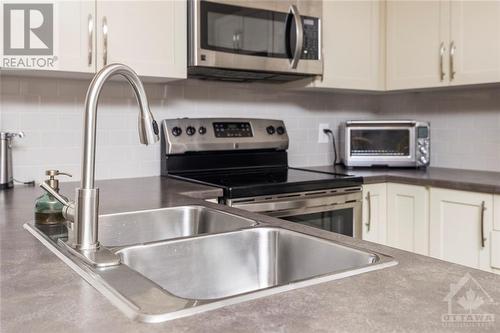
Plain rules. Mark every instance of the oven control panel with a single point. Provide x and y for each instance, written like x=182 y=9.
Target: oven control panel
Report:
x=184 y=135
x=232 y=130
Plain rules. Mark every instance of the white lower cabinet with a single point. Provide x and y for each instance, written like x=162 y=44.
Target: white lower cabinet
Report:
x=408 y=217
x=460 y=227
x=375 y=213
x=495 y=250
x=457 y=226
x=496 y=212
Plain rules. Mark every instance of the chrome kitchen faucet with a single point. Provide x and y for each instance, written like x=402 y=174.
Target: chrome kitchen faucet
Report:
x=84 y=211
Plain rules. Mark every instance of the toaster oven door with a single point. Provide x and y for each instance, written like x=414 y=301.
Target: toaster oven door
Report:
x=380 y=146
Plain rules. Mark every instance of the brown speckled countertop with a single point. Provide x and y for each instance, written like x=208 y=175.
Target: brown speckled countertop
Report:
x=457 y=179
x=39 y=293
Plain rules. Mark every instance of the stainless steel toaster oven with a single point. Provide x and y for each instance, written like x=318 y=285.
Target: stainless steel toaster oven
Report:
x=388 y=143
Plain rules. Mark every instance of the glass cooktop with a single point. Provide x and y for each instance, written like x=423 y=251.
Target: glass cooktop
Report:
x=256 y=182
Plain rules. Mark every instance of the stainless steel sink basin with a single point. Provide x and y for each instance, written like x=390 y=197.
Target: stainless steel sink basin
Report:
x=161 y=224
x=229 y=264
x=179 y=261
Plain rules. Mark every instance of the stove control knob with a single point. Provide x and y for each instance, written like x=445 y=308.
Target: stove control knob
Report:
x=190 y=130
x=280 y=130
x=270 y=130
x=202 y=130
x=176 y=131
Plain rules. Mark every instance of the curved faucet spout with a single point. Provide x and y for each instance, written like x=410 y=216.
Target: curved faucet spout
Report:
x=84 y=234
x=148 y=128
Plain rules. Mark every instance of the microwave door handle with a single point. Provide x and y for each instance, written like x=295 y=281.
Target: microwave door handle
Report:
x=299 y=33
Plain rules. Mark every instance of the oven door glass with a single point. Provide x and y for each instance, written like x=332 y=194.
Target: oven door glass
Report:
x=340 y=221
x=249 y=31
x=380 y=142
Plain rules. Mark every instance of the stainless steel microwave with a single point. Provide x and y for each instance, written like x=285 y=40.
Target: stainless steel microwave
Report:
x=243 y=40
x=391 y=143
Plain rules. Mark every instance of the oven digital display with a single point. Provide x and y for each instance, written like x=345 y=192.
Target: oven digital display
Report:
x=233 y=130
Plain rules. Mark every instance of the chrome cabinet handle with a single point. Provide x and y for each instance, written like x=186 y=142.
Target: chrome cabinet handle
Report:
x=90 y=39
x=483 y=208
x=453 y=49
x=369 y=200
x=105 y=40
x=299 y=41
x=442 y=50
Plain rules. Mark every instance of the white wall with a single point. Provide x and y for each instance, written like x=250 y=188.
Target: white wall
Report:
x=465 y=123
x=50 y=113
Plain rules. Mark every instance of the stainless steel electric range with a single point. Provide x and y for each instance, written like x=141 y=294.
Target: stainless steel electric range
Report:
x=248 y=159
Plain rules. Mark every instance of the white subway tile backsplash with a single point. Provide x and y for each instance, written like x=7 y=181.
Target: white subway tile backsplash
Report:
x=465 y=124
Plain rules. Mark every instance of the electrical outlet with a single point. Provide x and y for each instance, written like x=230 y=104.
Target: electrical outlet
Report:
x=322 y=136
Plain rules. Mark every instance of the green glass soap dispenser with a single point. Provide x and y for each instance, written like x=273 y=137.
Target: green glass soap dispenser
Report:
x=48 y=211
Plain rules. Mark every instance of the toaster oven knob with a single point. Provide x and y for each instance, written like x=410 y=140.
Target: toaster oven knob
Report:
x=423 y=160
x=423 y=150
x=280 y=130
x=270 y=130
x=190 y=130
x=176 y=131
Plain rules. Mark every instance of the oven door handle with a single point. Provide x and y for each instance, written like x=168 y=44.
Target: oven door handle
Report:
x=299 y=203
x=299 y=33
x=313 y=210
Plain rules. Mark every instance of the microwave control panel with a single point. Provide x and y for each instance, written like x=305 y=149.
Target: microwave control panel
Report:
x=311 y=38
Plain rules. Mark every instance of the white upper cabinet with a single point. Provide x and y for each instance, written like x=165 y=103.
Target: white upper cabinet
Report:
x=417 y=42
x=73 y=37
x=375 y=213
x=149 y=36
x=408 y=217
x=475 y=42
x=353 y=49
x=460 y=227
x=76 y=31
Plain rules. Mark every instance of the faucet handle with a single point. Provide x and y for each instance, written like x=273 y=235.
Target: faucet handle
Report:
x=69 y=206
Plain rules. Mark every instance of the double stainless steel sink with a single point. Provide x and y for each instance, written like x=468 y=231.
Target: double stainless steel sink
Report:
x=160 y=224
x=184 y=260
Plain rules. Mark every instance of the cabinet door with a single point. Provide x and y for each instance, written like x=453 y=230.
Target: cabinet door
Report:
x=76 y=41
x=475 y=38
x=149 y=36
x=73 y=37
x=352 y=45
x=417 y=34
x=374 y=213
x=458 y=222
x=495 y=251
x=496 y=212
x=408 y=217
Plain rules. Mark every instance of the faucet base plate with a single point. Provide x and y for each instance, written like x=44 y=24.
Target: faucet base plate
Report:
x=100 y=257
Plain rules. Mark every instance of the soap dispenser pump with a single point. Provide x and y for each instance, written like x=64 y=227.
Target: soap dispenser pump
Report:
x=48 y=211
